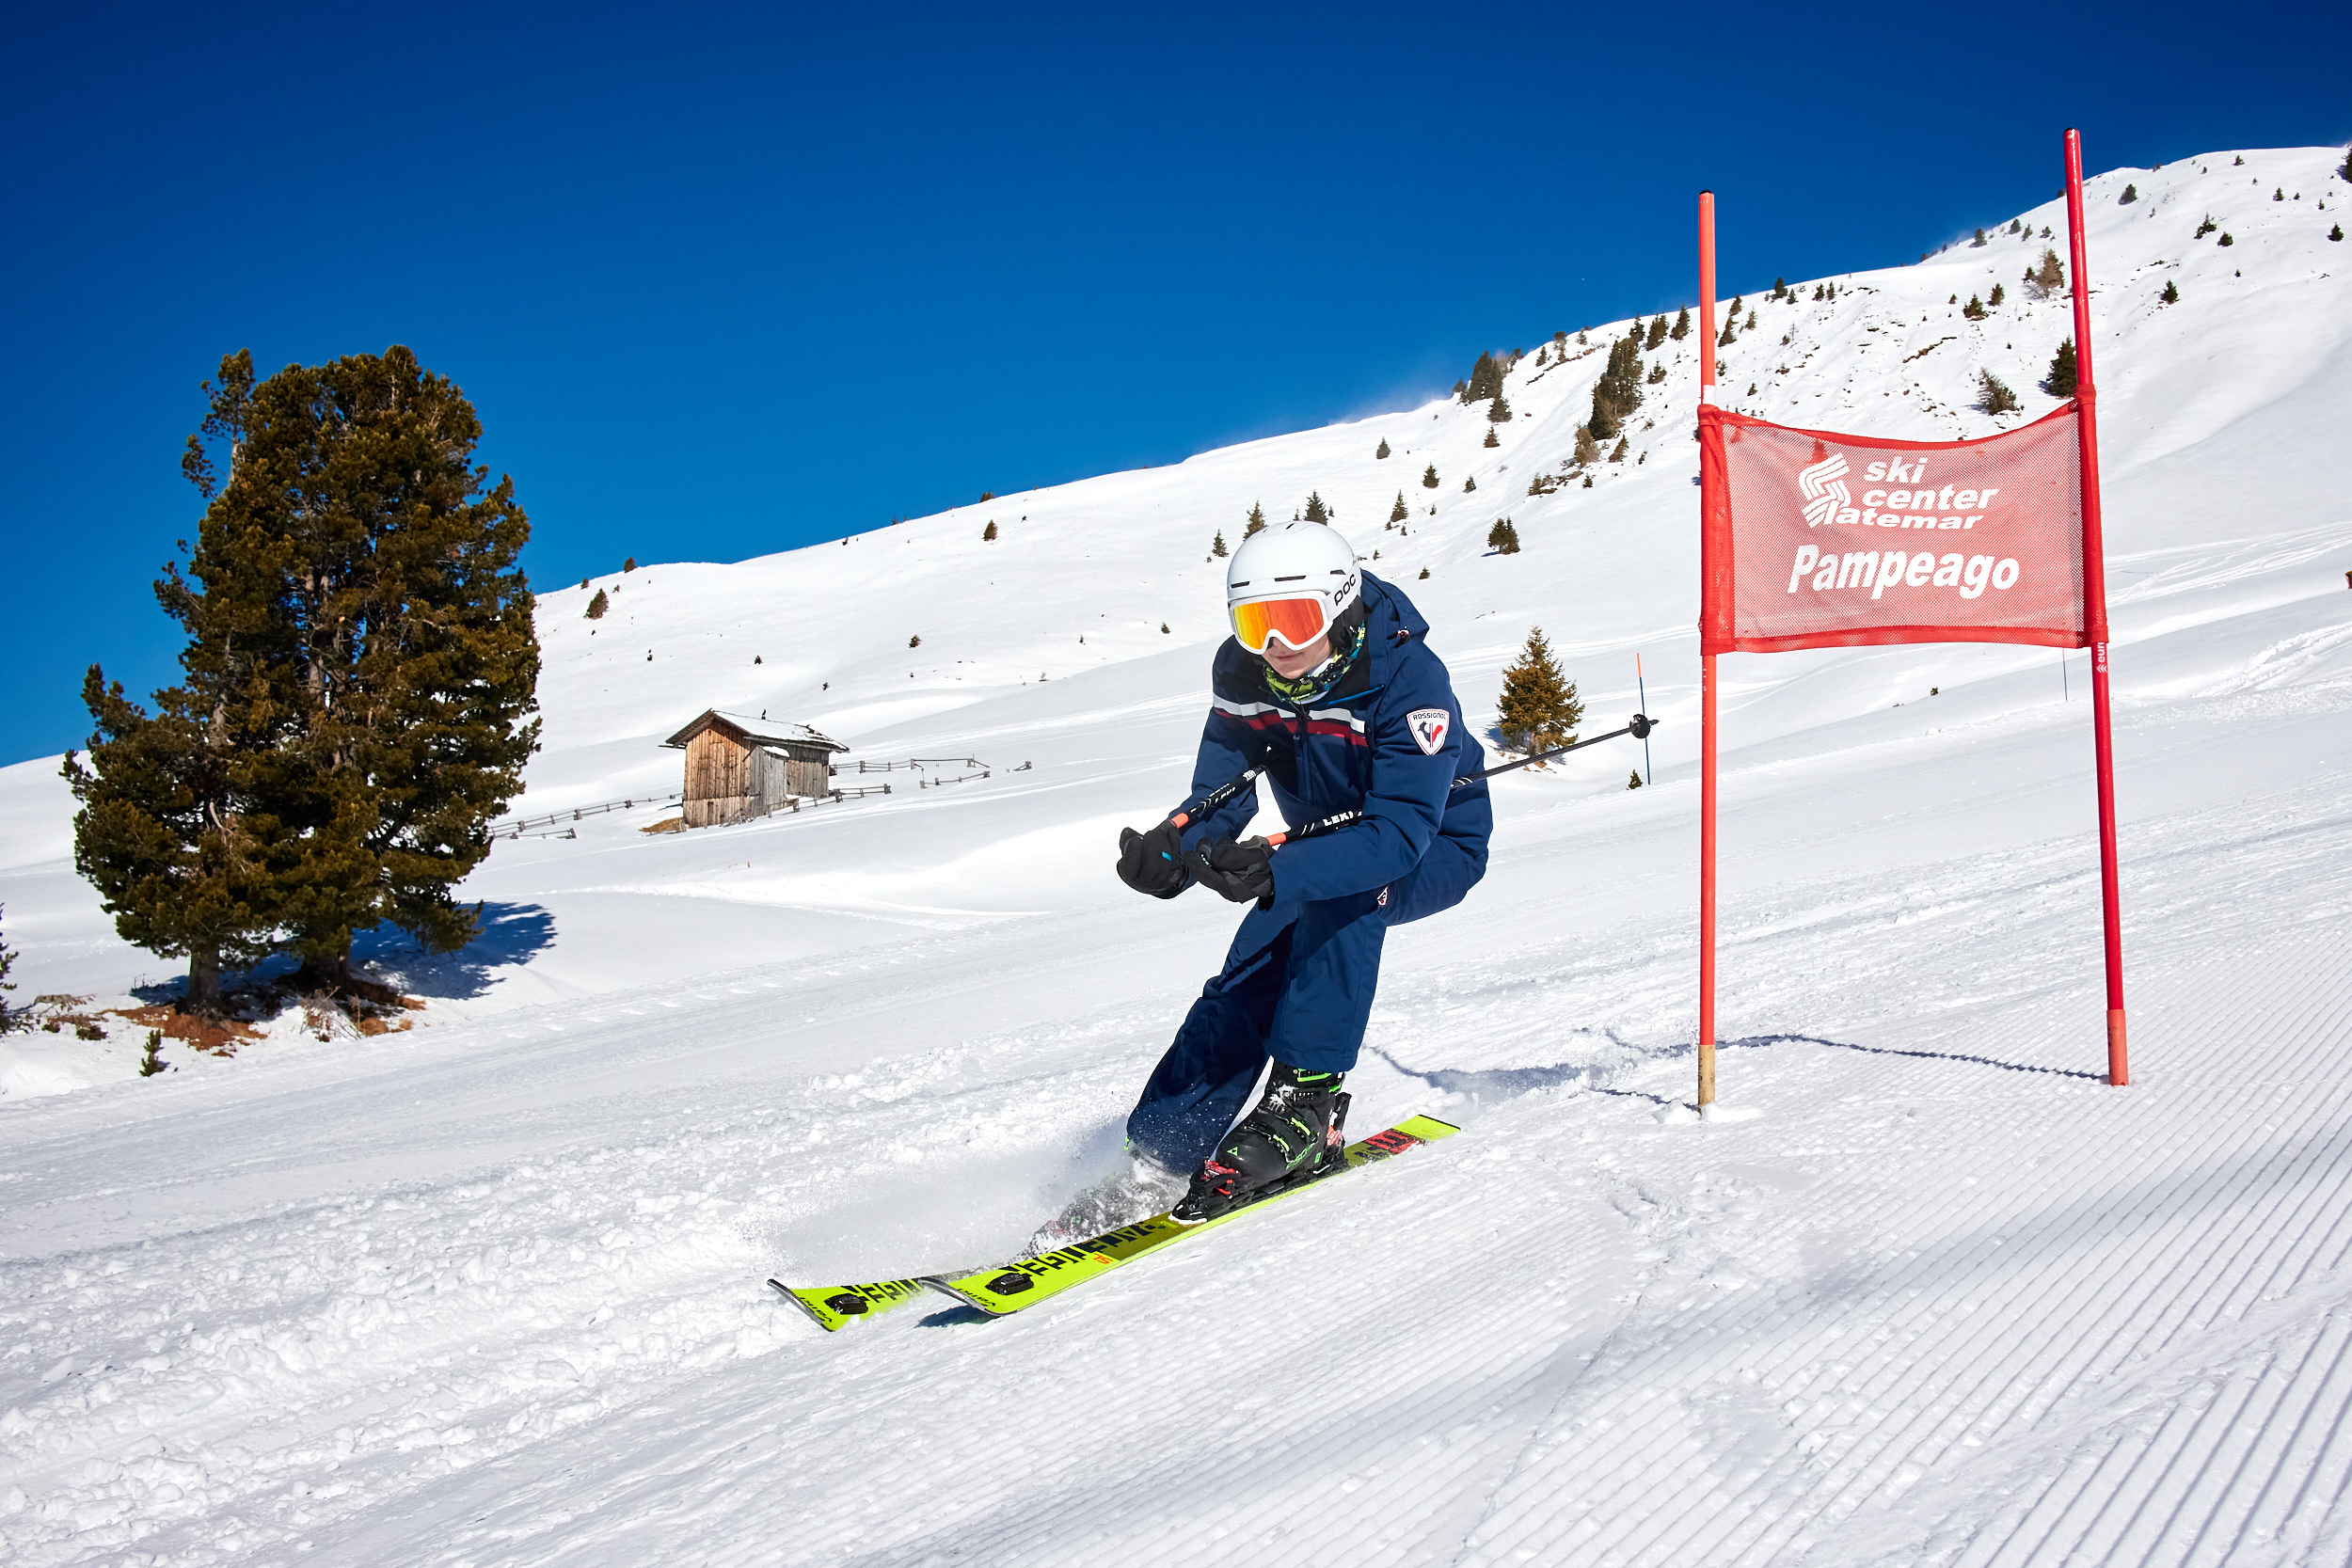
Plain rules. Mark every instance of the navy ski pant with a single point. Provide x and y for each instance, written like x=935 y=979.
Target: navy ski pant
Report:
x=1297 y=986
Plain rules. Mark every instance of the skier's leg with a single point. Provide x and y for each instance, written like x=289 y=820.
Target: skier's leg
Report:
x=1205 y=1077
x=1317 y=1028
x=1334 y=970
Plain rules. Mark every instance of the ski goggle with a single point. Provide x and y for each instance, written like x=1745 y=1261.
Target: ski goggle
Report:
x=1298 y=621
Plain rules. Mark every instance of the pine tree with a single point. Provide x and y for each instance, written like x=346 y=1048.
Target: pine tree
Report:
x=597 y=606
x=1497 y=411
x=1383 y=449
x=2171 y=294
x=1315 y=513
x=1485 y=380
x=2049 y=277
x=2225 y=239
x=1397 y=513
x=1682 y=326
x=1425 y=575
x=1978 y=244
x=1539 y=708
x=1257 y=520
x=2336 y=231
x=2059 y=382
x=1618 y=392
x=2207 y=227
x=1728 y=337
x=1656 y=334
x=1974 y=309
x=1656 y=374
x=1469 y=485
x=1618 y=455
x=1217 y=546
x=1633 y=780
x=1992 y=394
x=361 y=665
x=1502 y=538
x=1994 y=299
x=1492 y=439
x=988 y=535
x=1587 y=449
x=629 y=565
x=2131 y=194
x=1429 y=477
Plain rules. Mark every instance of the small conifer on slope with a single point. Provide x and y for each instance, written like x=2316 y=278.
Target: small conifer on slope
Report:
x=597 y=606
x=1502 y=538
x=1257 y=520
x=11 y=1018
x=1429 y=477
x=1397 y=513
x=1539 y=708
x=1315 y=510
x=2060 y=382
x=1618 y=392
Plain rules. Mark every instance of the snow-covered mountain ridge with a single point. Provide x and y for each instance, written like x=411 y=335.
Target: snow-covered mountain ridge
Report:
x=489 y=1290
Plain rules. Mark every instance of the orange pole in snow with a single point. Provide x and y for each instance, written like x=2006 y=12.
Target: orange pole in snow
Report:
x=1706 y=693
x=2095 y=613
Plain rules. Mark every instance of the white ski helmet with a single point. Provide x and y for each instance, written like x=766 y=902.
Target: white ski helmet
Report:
x=1290 y=580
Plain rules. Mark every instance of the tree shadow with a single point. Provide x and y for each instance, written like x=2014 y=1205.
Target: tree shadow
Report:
x=509 y=934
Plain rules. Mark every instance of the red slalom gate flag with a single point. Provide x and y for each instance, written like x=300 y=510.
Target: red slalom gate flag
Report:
x=1809 y=539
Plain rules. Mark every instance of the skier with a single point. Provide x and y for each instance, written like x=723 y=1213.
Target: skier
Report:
x=1328 y=686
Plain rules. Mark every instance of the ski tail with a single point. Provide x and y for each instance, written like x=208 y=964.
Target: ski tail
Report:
x=836 y=1306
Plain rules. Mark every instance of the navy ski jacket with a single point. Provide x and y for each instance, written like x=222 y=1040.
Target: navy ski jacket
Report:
x=1388 y=740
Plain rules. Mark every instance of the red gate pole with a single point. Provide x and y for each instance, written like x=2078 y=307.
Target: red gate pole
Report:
x=1707 y=691
x=2096 y=611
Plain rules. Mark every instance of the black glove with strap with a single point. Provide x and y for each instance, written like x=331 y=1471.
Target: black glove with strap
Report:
x=1153 y=862
x=1240 y=871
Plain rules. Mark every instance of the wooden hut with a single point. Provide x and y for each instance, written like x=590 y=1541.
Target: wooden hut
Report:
x=739 y=767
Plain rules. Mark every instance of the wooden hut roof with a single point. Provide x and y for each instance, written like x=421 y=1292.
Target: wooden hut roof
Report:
x=754 y=732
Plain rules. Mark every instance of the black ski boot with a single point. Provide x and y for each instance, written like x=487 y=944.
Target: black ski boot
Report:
x=1296 y=1133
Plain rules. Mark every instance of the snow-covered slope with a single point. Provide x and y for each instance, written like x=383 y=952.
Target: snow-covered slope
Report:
x=489 y=1291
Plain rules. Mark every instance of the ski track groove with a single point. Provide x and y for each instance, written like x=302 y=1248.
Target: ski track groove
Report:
x=2282 y=1199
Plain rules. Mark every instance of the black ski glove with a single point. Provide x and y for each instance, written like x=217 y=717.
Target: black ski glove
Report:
x=1151 y=863
x=1240 y=871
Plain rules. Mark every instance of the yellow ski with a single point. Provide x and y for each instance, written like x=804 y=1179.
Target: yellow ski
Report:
x=1007 y=1289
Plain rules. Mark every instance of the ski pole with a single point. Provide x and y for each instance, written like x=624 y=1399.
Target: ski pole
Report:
x=1216 y=797
x=1639 y=730
x=1314 y=830
x=1649 y=774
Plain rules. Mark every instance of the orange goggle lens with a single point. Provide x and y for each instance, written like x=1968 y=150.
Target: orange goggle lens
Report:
x=1298 y=621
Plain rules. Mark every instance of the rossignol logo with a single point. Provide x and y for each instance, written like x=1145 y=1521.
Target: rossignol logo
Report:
x=1429 y=726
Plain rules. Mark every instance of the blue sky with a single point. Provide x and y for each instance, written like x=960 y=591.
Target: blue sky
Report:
x=722 y=283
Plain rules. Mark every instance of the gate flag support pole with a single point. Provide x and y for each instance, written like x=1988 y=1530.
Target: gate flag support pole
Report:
x=2096 y=611
x=1706 y=693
